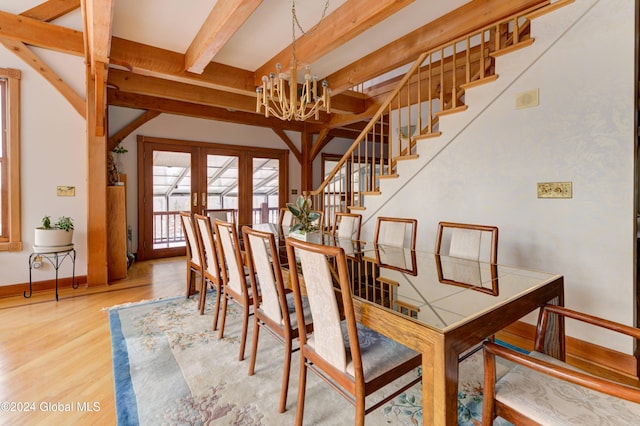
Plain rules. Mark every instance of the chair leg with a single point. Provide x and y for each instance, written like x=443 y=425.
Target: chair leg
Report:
x=302 y=384
x=245 y=326
x=254 y=345
x=285 y=375
x=360 y=408
x=203 y=294
x=216 y=309
x=189 y=281
x=224 y=316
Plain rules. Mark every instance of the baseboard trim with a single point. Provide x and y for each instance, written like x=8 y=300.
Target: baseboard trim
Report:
x=40 y=286
x=579 y=352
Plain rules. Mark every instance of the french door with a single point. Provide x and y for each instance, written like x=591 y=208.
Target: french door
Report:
x=175 y=176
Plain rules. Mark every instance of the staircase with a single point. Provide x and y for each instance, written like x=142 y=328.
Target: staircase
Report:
x=434 y=86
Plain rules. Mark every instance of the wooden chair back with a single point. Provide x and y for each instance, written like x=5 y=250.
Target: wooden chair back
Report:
x=231 y=265
x=194 y=256
x=207 y=245
x=396 y=231
x=467 y=241
x=285 y=218
x=347 y=225
x=193 y=251
x=226 y=215
x=259 y=247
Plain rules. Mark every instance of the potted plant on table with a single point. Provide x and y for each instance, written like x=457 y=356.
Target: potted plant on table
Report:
x=54 y=237
x=305 y=218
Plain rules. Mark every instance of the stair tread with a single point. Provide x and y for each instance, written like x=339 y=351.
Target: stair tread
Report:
x=391 y=176
x=427 y=135
x=513 y=47
x=480 y=81
x=406 y=157
x=452 y=110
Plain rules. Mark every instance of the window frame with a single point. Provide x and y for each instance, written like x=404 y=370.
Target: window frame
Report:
x=11 y=234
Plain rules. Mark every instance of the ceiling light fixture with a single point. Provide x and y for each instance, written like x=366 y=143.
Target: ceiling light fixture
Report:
x=299 y=103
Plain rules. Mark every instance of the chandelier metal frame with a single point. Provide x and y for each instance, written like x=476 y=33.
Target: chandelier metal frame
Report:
x=284 y=99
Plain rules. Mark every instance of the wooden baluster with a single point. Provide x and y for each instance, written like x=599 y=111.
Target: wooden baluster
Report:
x=430 y=96
x=442 y=108
x=454 y=89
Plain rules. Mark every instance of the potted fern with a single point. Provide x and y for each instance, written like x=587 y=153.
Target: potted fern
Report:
x=52 y=237
x=306 y=219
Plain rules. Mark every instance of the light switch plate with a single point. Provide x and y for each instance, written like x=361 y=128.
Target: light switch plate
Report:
x=555 y=189
x=66 y=191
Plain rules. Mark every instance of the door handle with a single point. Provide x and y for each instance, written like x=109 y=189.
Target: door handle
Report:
x=195 y=199
x=203 y=199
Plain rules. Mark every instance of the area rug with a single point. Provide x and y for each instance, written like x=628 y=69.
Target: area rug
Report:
x=171 y=368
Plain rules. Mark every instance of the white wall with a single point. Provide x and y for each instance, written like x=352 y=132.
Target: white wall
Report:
x=53 y=153
x=582 y=62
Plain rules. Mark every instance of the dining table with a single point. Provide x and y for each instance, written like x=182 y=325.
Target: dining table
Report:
x=443 y=307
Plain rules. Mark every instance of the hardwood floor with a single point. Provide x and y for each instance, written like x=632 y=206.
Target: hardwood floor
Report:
x=55 y=357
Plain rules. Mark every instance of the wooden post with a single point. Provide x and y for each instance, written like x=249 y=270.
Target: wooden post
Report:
x=306 y=171
x=97 y=272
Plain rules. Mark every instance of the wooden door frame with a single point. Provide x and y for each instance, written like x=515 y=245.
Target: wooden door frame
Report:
x=245 y=168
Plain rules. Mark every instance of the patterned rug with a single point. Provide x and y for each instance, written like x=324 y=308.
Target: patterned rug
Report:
x=170 y=368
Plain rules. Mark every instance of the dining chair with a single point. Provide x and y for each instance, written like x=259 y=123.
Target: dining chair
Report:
x=274 y=311
x=226 y=215
x=466 y=241
x=470 y=243
x=211 y=270
x=396 y=231
x=285 y=218
x=392 y=232
x=541 y=389
x=235 y=283
x=353 y=359
x=194 y=261
x=347 y=225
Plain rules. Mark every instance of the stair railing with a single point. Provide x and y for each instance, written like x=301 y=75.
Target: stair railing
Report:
x=433 y=86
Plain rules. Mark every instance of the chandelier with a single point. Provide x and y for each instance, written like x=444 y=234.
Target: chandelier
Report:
x=284 y=99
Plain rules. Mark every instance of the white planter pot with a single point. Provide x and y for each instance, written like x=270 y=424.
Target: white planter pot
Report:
x=304 y=236
x=52 y=240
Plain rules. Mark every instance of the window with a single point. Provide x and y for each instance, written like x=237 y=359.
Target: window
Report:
x=10 y=231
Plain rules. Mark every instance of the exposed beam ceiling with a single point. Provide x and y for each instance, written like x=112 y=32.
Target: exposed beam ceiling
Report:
x=149 y=72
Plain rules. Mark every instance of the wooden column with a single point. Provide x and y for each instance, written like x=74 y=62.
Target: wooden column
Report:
x=306 y=164
x=97 y=273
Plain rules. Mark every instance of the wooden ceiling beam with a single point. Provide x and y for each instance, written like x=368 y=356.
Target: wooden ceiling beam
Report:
x=345 y=23
x=34 y=61
x=225 y=19
x=51 y=9
x=99 y=21
x=150 y=60
x=41 y=34
x=146 y=85
x=131 y=100
x=467 y=18
x=115 y=140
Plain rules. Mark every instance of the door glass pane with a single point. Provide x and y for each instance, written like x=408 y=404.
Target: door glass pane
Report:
x=222 y=182
x=266 y=174
x=171 y=194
